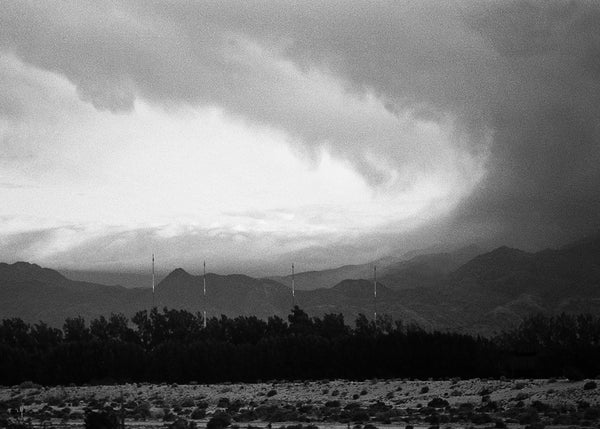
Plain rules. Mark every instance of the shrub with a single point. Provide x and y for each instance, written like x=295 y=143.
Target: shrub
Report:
x=107 y=419
x=499 y=424
x=223 y=403
x=359 y=415
x=56 y=401
x=29 y=385
x=142 y=410
x=522 y=396
x=182 y=424
x=198 y=413
x=13 y=424
x=168 y=415
x=187 y=403
x=529 y=417
x=424 y=389
x=590 y=385
x=481 y=418
x=437 y=403
x=219 y=420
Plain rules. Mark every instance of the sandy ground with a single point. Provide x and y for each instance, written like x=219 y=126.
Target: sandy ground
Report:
x=406 y=400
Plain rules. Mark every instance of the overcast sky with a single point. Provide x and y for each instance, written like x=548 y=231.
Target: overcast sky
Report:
x=252 y=134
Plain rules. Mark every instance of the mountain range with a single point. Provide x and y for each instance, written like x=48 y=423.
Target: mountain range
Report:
x=465 y=290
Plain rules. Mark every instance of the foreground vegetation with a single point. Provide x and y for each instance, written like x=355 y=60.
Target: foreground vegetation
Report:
x=172 y=346
x=327 y=404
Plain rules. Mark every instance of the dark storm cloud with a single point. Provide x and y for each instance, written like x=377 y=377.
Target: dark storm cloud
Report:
x=543 y=179
x=526 y=72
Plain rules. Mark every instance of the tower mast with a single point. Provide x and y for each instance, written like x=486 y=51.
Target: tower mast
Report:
x=293 y=287
x=153 y=303
x=375 y=293
x=204 y=293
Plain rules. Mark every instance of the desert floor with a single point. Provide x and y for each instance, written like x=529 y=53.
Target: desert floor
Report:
x=334 y=403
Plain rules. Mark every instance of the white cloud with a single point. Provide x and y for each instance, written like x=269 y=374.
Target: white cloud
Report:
x=242 y=189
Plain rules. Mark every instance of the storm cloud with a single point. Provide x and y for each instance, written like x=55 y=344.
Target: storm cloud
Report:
x=499 y=100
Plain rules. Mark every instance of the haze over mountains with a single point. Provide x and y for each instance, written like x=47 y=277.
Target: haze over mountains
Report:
x=464 y=290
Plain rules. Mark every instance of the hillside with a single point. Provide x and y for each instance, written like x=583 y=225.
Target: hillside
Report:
x=487 y=293
x=408 y=271
x=34 y=293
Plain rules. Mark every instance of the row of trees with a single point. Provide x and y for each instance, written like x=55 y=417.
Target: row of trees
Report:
x=173 y=346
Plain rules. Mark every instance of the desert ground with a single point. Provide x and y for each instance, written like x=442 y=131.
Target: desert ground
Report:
x=331 y=404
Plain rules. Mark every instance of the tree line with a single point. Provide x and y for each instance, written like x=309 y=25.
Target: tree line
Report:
x=174 y=346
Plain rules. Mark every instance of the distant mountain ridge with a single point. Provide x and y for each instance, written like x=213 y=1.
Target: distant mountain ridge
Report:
x=406 y=272
x=481 y=293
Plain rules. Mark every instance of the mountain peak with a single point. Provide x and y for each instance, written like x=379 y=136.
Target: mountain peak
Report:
x=178 y=273
x=25 y=271
x=504 y=252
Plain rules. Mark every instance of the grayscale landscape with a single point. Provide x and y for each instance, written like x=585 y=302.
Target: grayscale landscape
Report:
x=299 y=214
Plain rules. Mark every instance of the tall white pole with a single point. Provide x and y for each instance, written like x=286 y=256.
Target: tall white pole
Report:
x=375 y=292
x=204 y=293
x=293 y=286
x=153 y=304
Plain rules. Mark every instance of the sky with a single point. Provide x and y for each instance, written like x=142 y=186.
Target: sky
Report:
x=255 y=134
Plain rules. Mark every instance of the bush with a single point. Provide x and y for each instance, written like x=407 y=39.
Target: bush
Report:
x=182 y=424
x=481 y=419
x=168 y=415
x=219 y=420
x=590 y=385
x=424 y=389
x=107 y=419
x=187 y=403
x=359 y=415
x=142 y=410
x=499 y=424
x=29 y=385
x=198 y=413
x=13 y=424
x=223 y=403
x=437 y=403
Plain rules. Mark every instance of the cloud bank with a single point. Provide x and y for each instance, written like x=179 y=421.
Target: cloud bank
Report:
x=492 y=108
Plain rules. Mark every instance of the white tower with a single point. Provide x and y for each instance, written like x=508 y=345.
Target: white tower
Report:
x=204 y=293
x=153 y=304
x=293 y=287
x=375 y=293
